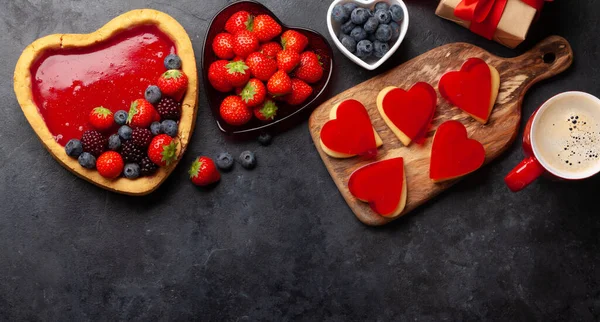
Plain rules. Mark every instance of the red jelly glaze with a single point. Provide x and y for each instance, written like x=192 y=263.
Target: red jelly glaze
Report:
x=470 y=89
x=68 y=83
x=453 y=154
x=380 y=184
x=351 y=132
x=411 y=111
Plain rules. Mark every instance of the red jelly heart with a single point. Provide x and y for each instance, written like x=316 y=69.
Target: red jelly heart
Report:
x=408 y=113
x=453 y=154
x=470 y=89
x=382 y=184
x=350 y=132
x=68 y=83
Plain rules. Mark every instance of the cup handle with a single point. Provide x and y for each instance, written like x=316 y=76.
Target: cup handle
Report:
x=524 y=174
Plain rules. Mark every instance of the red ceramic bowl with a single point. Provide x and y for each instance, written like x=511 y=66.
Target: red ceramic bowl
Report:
x=317 y=44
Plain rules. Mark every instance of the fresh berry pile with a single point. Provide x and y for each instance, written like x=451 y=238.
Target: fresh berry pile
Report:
x=137 y=142
x=262 y=67
x=368 y=32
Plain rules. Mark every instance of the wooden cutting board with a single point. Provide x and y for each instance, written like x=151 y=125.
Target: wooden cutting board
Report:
x=550 y=57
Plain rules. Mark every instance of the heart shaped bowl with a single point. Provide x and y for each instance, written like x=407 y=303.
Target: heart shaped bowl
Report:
x=317 y=43
x=371 y=63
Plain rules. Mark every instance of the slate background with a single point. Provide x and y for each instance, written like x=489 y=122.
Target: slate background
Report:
x=279 y=243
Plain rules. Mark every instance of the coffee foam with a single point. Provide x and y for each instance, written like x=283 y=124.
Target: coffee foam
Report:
x=566 y=135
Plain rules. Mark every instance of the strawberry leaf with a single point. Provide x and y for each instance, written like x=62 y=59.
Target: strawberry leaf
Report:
x=169 y=152
x=195 y=169
x=236 y=67
x=250 y=23
x=172 y=73
x=269 y=110
x=102 y=112
x=248 y=93
x=132 y=111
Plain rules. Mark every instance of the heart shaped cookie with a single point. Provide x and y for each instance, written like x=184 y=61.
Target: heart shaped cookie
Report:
x=453 y=154
x=382 y=184
x=349 y=131
x=60 y=78
x=473 y=89
x=408 y=113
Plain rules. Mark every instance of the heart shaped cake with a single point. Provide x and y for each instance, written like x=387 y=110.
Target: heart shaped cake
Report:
x=349 y=132
x=70 y=84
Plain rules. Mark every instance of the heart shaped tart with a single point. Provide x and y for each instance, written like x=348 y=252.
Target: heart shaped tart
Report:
x=382 y=184
x=71 y=84
x=408 y=113
x=473 y=89
x=453 y=154
x=349 y=132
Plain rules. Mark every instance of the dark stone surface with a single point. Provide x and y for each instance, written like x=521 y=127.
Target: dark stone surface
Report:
x=279 y=243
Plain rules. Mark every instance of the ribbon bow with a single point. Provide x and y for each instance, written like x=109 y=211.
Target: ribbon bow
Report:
x=485 y=15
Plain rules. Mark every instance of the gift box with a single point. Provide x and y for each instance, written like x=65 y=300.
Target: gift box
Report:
x=505 y=21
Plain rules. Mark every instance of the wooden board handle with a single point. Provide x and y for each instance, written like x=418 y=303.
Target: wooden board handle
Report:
x=548 y=58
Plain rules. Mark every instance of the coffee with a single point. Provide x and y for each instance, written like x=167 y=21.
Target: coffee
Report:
x=566 y=135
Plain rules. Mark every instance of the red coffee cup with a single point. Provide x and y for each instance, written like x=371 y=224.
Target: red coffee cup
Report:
x=561 y=140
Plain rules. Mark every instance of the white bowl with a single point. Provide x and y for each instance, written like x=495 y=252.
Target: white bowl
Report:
x=372 y=62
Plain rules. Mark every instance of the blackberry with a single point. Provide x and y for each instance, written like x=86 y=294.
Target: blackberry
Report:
x=169 y=109
x=93 y=142
x=131 y=153
x=147 y=167
x=141 y=137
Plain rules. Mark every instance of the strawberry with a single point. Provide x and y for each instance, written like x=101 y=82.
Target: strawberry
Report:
x=141 y=113
x=279 y=84
x=245 y=43
x=237 y=73
x=239 y=21
x=300 y=92
x=265 y=28
x=294 y=40
x=204 y=172
x=110 y=164
x=162 y=150
x=217 y=76
x=287 y=60
x=310 y=69
x=101 y=118
x=223 y=46
x=266 y=112
x=234 y=111
x=254 y=93
x=270 y=49
x=261 y=66
x=173 y=83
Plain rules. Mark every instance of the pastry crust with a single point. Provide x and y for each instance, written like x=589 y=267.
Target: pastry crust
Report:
x=169 y=26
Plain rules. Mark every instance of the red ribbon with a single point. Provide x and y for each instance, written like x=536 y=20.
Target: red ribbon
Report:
x=485 y=15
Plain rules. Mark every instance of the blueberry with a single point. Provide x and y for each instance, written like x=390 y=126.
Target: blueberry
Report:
x=247 y=160
x=358 y=34
x=121 y=117
x=87 y=160
x=349 y=7
x=383 y=33
x=225 y=161
x=395 y=30
x=349 y=43
x=347 y=27
x=380 y=49
x=153 y=94
x=359 y=16
x=74 y=148
x=114 y=142
x=339 y=14
x=265 y=138
x=169 y=127
x=371 y=25
x=172 y=62
x=383 y=16
x=125 y=132
x=382 y=6
x=364 y=49
x=155 y=128
x=131 y=170
x=396 y=13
